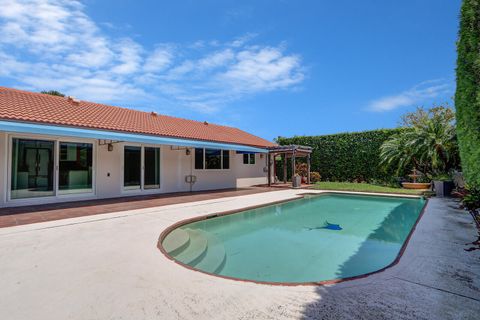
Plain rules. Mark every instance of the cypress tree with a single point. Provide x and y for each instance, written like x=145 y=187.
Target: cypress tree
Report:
x=467 y=96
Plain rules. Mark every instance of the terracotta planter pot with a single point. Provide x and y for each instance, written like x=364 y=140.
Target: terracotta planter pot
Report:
x=416 y=185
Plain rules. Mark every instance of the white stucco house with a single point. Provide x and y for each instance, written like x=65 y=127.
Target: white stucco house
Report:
x=56 y=149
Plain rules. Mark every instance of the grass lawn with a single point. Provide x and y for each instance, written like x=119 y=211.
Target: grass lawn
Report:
x=363 y=187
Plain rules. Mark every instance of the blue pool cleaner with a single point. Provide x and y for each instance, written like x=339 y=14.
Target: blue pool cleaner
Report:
x=328 y=225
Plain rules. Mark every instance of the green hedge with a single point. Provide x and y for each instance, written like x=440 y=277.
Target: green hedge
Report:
x=346 y=156
x=467 y=96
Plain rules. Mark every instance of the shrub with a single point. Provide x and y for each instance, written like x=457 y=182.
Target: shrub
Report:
x=471 y=200
x=345 y=156
x=301 y=169
x=315 y=177
x=467 y=96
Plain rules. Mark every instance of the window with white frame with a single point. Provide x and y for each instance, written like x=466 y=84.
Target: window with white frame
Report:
x=249 y=158
x=208 y=159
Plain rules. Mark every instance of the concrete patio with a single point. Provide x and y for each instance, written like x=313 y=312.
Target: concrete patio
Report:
x=107 y=266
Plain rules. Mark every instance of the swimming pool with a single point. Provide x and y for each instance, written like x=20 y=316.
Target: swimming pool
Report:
x=313 y=239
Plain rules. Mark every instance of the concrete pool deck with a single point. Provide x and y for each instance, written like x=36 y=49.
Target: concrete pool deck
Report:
x=108 y=267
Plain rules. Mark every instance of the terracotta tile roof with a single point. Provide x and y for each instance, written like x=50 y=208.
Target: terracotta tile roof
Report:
x=28 y=106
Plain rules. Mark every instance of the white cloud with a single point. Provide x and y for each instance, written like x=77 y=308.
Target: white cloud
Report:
x=241 y=41
x=263 y=69
x=420 y=93
x=129 y=57
x=159 y=59
x=46 y=44
x=216 y=59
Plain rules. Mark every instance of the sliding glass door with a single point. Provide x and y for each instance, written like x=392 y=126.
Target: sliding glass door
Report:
x=132 y=159
x=141 y=168
x=75 y=168
x=152 y=168
x=32 y=168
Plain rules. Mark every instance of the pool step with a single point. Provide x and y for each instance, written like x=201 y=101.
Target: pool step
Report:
x=176 y=241
x=196 y=248
x=215 y=258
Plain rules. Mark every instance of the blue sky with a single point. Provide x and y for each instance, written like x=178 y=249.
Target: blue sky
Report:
x=269 y=67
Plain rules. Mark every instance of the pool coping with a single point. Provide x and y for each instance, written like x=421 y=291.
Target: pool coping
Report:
x=299 y=196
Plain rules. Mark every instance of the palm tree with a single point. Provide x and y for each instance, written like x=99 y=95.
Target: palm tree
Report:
x=395 y=153
x=428 y=144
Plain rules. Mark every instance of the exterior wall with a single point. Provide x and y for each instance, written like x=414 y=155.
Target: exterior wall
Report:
x=250 y=174
x=175 y=165
x=108 y=174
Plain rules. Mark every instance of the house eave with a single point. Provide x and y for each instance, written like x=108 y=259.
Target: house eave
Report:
x=67 y=131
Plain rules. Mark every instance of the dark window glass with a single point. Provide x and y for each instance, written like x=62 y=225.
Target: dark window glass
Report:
x=75 y=167
x=252 y=158
x=131 y=167
x=245 y=158
x=152 y=168
x=32 y=168
x=213 y=158
x=226 y=159
x=198 y=158
x=249 y=158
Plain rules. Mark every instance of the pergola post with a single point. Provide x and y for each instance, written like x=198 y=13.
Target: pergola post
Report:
x=284 y=158
x=269 y=166
x=293 y=166
x=308 y=169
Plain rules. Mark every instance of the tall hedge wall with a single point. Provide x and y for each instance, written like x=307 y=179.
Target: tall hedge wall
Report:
x=346 y=156
x=467 y=96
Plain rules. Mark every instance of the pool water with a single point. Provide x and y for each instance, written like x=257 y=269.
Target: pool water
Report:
x=313 y=239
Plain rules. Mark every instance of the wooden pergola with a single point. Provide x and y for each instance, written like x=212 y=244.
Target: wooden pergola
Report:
x=292 y=152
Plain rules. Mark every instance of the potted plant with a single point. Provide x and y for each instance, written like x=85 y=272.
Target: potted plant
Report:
x=302 y=170
x=442 y=185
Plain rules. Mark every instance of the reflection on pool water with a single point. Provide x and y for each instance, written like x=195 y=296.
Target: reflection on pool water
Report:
x=313 y=239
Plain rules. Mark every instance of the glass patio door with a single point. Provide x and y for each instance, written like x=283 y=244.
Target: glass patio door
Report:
x=152 y=168
x=132 y=161
x=32 y=168
x=75 y=168
x=141 y=168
